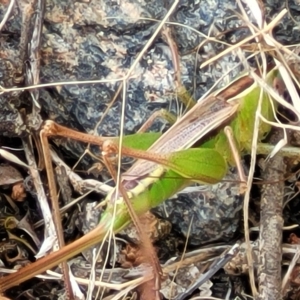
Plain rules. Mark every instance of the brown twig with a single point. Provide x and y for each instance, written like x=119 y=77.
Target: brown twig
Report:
x=270 y=253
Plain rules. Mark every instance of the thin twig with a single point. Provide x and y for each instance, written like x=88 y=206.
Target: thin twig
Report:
x=7 y=14
x=50 y=233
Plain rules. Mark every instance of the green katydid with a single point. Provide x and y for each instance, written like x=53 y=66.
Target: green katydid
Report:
x=168 y=162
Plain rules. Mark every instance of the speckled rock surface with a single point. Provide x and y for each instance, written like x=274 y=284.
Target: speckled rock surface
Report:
x=99 y=41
